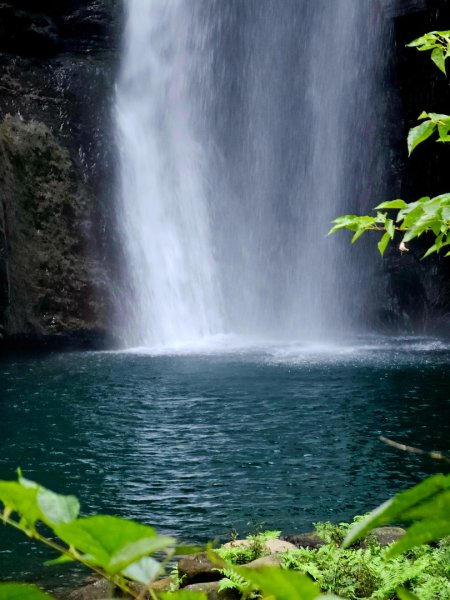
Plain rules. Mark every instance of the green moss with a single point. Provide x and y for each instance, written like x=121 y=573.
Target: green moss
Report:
x=46 y=208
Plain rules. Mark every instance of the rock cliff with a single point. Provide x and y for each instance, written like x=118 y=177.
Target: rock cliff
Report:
x=57 y=69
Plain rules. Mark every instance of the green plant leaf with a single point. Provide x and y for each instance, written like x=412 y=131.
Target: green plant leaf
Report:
x=21 y=591
x=61 y=560
x=390 y=228
x=422 y=532
x=183 y=595
x=438 y=57
x=55 y=508
x=281 y=584
x=33 y=502
x=21 y=500
x=383 y=243
x=419 y=134
x=398 y=203
x=397 y=507
x=144 y=570
x=111 y=542
x=405 y=595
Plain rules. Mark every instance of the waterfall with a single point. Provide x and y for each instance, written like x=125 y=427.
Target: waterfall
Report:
x=244 y=128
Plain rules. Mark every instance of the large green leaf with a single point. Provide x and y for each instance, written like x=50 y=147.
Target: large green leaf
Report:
x=57 y=509
x=402 y=506
x=33 y=502
x=422 y=532
x=111 y=542
x=419 y=134
x=21 y=500
x=438 y=57
x=392 y=204
x=405 y=595
x=21 y=591
x=281 y=584
x=383 y=243
x=144 y=570
x=183 y=595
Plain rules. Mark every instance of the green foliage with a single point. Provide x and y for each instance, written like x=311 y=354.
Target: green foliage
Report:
x=434 y=123
x=282 y=585
x=332 y=533
x=232 y=580
x=439 y=44
x=243 y=554
x=21 y=591
x=183 y=595
x=426 y=504
x=367 y=573
x=118 y=549
x=426 y=215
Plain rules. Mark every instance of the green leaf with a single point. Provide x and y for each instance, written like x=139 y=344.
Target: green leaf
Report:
x=33 y=503
x=438 y=57
x=423 y=115
x=144 y=570
x=392 y=204
x=20 y=500
x=390 y=228
x=111 y=542
x=61 y=560
x=431 y=250
x=397 y=506
x=419 y=134
x=358 y=234
x=422 y=532
x=383 y=243
x=281 y=584
x=57 y=509
x=183 y=595
x=405 y=595
x=21 y=591
x=352 y=222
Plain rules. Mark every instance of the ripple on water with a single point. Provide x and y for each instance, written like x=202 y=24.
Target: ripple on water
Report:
x=197 y=441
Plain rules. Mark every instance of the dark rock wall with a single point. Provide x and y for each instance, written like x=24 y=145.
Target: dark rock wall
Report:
x=57 y=69
x=416 y=296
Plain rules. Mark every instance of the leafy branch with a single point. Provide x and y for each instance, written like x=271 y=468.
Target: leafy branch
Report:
x=439 y=44
x=426 y=215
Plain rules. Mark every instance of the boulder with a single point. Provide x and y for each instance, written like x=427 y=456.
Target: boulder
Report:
x=310 y=539
x=211 y=589
x=197 y=569
x=384 y=535
x=272 y=560
x=98 y=590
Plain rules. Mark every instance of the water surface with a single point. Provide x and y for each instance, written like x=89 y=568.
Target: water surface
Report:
x=199 y=441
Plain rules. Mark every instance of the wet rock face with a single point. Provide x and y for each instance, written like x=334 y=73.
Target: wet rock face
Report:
x=58 y=62
x=415 y=294
x=43 y=28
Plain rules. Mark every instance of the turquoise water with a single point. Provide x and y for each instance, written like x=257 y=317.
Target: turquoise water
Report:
x=233 y=436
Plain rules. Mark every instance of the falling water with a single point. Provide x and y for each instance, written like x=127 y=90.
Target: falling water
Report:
x=244 y=128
